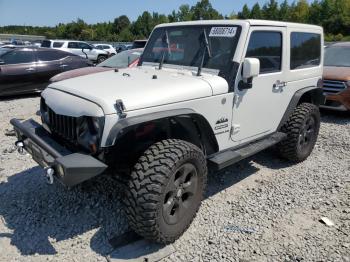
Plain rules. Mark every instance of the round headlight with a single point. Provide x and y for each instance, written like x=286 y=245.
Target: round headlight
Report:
x=96 y=124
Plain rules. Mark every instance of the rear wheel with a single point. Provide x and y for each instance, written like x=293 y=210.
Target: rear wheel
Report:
x=165 y=190
x=302 y=130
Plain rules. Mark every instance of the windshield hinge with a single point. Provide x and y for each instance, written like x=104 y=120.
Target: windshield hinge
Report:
x=119 y=106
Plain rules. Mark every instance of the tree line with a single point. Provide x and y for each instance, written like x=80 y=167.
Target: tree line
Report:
x=333 y=15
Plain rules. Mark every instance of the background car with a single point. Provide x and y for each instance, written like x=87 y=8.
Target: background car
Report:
x=27 y=70
x=80 y=48
x=336 y=76
x=139 y=44
x=129 y=58
x=123 y=47
x=109 y=48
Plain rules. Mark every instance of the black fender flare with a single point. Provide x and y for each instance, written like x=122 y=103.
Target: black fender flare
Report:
x=317 y=97
x=203 y=126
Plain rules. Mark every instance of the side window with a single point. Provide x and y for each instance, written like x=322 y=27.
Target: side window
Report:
x=57 y=44
x=73 y=45
x=267 y=47
x=305 y=50
x=46 y=43
x=18 y=57
x=50 y=55
x=84 y=45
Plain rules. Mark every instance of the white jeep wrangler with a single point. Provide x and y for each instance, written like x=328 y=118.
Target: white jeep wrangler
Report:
x=205 y=94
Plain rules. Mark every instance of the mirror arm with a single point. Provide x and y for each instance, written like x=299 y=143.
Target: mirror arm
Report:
x=245 y=84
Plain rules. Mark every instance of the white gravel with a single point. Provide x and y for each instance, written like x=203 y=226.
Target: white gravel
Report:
x=262 y=209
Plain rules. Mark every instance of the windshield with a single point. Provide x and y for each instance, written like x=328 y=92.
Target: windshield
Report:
x=121 y=60
x=337 y=56
x=186 y=46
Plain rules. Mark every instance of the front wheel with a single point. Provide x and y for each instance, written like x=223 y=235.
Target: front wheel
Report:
x=165 y=190
x=302 y=130
x=101 y=58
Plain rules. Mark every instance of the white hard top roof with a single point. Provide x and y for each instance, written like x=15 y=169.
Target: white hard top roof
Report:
x=251 y=22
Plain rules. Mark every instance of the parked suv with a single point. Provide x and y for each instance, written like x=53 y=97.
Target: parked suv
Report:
x=205 y=94
x=80 y=48
x=336 y=76
x=109 y=48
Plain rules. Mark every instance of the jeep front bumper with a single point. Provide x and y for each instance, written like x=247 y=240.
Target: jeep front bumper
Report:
x=69 y=168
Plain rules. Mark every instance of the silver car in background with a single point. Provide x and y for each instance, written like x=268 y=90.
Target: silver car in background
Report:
x=80 y=48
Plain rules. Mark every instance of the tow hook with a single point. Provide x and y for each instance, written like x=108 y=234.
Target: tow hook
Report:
x=20 y=147
x=49 y=175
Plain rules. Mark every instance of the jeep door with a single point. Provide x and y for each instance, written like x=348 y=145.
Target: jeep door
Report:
x=17 y=71
x=258 y=110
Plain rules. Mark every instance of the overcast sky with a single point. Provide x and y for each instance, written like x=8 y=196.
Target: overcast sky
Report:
x=50 y=13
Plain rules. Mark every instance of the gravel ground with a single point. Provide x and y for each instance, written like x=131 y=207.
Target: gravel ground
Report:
x=262 y=209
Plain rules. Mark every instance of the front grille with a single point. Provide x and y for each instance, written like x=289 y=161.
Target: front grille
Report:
x=332 y=87
x=64 y=126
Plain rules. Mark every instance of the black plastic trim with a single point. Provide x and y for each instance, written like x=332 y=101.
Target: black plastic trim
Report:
x=123 y=125
x=233 y=155
x=18 y=125
x=77 y=167
x=318 y=98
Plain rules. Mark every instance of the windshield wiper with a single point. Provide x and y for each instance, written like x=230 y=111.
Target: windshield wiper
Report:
x=207 y=49
x=163 y=54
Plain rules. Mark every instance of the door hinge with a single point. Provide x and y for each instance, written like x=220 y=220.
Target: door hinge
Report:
x=235 y=97
x=235 y=129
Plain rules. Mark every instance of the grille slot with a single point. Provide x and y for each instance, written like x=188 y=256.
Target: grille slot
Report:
x=333 y=87
x=64 y=126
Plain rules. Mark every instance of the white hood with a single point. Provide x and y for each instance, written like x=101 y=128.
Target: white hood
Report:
x=142 y=87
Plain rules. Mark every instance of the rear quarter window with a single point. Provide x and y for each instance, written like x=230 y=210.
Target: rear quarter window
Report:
x=305 y=50
x=73 y=45
x=51 y=55
x=46 y=43
x=267 y=47
x=57 y=44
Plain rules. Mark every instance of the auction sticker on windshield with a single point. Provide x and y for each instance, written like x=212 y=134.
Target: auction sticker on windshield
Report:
x=223 y=32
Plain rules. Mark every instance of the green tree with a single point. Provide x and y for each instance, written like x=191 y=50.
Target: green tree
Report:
x=315 y=11
x=120 y=23
x=184 y=13
x=203 y=10
x=256 y=12
x=300 y=11
x=245 y=13
x=143 y=26
x=284 y=12
x=271 y=10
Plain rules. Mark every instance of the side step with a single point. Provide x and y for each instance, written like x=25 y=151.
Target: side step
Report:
x=232 y=156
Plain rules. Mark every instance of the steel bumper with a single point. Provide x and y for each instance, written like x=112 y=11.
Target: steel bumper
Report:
x=70 y=168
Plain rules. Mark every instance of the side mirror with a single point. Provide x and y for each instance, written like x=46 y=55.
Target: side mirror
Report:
x=251 y=69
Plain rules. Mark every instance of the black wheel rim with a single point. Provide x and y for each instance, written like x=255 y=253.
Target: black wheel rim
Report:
x=307 y=134
x=180 y=193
